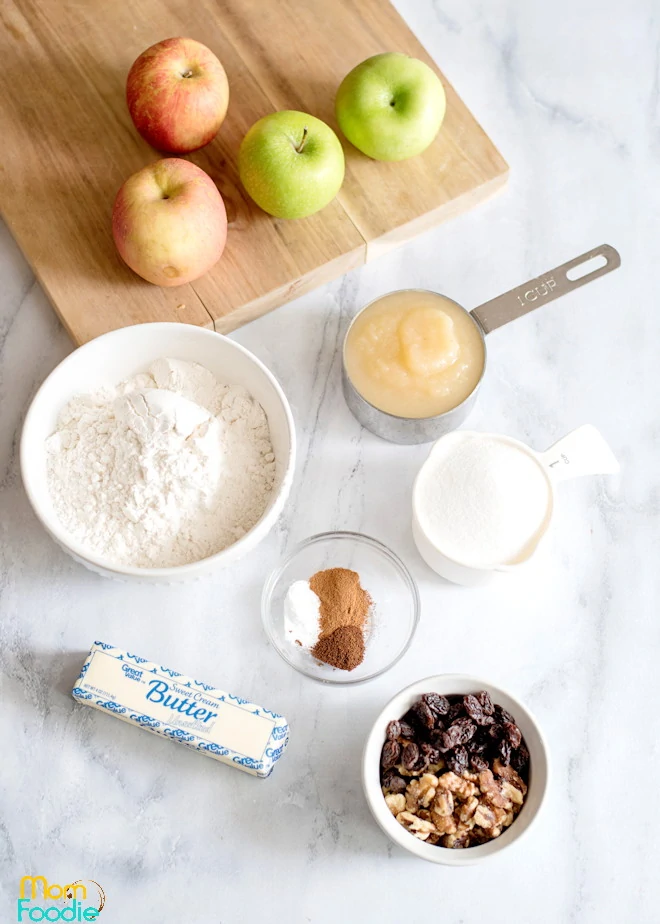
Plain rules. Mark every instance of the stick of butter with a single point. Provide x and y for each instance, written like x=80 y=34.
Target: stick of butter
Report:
x=167 y=703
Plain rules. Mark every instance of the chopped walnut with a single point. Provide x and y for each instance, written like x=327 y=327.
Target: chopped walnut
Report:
x=454 y=784
x=443 y=804
x=512 y=793
x=491 y=788
x=467 y=810
x=396 y=803
x=510 y=775
x=421 y=792
x=486 y=780
x=417 y=826
x=500 y=816
x=503 y=818
x=458 y=840
x=484 y=816
x=444 y=824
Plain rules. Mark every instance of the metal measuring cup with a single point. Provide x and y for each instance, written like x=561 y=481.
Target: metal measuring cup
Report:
x=486 y=318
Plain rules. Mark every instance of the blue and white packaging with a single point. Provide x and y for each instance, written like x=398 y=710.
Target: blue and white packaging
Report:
x=157 y=699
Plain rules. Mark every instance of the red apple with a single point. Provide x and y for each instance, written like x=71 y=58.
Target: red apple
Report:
x=177 y=94
x=169 y=222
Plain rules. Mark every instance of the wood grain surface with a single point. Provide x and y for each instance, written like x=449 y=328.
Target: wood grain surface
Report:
x=68 y=144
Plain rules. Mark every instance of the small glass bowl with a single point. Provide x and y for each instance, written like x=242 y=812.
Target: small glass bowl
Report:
x=394 y=614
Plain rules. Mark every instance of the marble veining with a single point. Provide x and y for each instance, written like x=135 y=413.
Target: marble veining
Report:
x=569 y=92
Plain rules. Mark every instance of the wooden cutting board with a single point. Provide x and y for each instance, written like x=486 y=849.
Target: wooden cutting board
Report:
x=68 y=144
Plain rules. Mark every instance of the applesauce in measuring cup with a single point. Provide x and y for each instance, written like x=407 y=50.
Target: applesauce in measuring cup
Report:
x=414 y=354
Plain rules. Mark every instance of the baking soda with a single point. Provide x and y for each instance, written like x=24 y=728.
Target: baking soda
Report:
x=302 y=611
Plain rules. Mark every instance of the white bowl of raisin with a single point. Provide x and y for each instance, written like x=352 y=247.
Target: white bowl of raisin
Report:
x=455 y=769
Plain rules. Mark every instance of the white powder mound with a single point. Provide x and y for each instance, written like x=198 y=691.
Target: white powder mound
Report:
x=167 y=468
x=481 y=500
x=302 y=615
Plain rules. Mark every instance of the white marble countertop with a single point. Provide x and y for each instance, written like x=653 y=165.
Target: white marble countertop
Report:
x=570 y=93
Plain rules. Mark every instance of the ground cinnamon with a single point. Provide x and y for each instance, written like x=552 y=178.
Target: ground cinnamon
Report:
x=343 y=600
x=344 y=611
x=344 y=648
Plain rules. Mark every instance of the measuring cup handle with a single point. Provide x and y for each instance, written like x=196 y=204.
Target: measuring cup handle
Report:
x=580 y=452
x=553 y=284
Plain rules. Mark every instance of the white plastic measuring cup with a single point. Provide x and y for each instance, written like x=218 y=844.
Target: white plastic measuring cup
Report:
x=580 y=452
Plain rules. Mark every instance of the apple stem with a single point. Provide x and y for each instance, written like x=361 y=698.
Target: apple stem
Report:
x=302 y=140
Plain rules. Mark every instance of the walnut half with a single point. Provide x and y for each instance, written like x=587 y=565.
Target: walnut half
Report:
x=417 y=826
x=396 y=803
x=421 y=792
x=461 y=788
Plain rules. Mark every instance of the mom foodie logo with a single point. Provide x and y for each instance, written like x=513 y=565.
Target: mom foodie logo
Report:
x=39 y=900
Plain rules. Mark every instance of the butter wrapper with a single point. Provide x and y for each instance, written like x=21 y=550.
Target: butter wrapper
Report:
x=159 y=700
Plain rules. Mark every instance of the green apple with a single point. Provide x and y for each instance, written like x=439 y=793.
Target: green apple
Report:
x=391 y=106
x=291 y=164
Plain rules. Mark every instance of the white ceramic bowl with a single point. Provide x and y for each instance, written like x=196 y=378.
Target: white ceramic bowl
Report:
x=118 y=355
x=538 y=777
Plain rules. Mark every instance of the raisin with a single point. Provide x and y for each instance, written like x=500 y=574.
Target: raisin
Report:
x=520 y=758
x=408 y=719
x=390 y=754
x=475 y=710
x=503 y=715
x=406 y=730
x=393 y=730
x=455 y=710
x=432 y=754
x=504 y=750
x=457 y=760
x=436 y=703
x=459 y=732
x=482 y=734
x=478 y=763
x=496 y=731
x=475 y=746
x=486 y=702
x=436 y=739
x=512 y=733
x=393 y=782
x=423 y=715
x=472 y=706
x=420 y=764
x=409 y=755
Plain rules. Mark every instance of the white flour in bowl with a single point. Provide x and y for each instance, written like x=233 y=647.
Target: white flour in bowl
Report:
x=165 y=469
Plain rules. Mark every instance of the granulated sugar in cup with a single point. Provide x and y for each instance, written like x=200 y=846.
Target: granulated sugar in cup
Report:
x=482 y=502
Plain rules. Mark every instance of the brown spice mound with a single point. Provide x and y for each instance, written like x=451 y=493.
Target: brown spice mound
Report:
x=343 y=601
x=344 y=648
x=344 y=611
